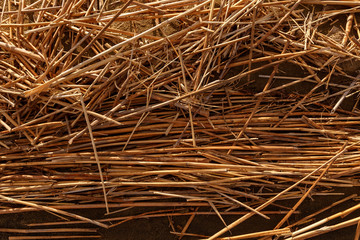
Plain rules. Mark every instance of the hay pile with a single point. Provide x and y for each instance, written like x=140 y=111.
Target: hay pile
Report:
x=225 y=106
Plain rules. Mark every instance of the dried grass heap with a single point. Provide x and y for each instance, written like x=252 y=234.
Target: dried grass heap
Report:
x=178 y=104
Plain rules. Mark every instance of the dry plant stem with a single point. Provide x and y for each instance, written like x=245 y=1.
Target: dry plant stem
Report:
x=95 y=122
x=283 y=86
x=123 y=8
x=322 y=210
x=188 y=222
x=255 y=108
x=210 y=86
x=192 y=126
x=343 y=96
x=266 y=87
x=246 y=206
x=277 y=232
x=252 y=41
x=327 y=229
x=51 y=209
x=348 y=27
x=316 y=126
x=329 y=2
x=60 y=78
x=357 y=232
x=301 y=101
x=53 y=237
x=267 y=203
x=325 y=220
x=52 y=230
x=341 y=151
x=20 y=51
x=150 y=215
x=267 y=34
x=169 y=102
x=95 y=151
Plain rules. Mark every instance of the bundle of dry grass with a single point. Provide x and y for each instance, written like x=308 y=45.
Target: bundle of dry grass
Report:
x=114 y=104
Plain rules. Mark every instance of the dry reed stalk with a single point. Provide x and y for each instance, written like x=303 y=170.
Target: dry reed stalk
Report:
x=52 y=210
x=357 y=233
x=277 y=232
x=54 y=237
x=173 y=113
x=237 y=222
x=327 y=229
x=341 y=151
x=150 y=215
x=9 y=230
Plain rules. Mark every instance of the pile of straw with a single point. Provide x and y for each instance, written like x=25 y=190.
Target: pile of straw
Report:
x=178 y=104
